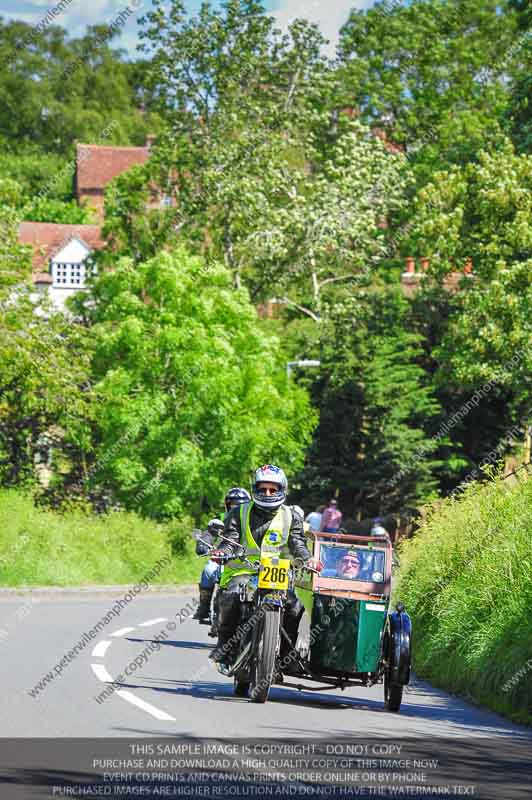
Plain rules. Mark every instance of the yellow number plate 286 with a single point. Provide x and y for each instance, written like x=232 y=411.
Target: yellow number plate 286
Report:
x=274 y=573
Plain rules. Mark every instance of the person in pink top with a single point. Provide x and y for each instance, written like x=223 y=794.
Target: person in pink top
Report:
x=331 y=518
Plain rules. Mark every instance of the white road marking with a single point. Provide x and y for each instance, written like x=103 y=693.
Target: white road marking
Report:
x=101 y=648
x=155 y=712
x=101 y=673
x=122 y=631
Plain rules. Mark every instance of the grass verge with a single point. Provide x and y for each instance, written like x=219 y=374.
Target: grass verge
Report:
x=43 y=548
x=466 y=580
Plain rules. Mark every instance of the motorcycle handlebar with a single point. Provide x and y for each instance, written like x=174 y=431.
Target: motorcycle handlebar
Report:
x=241 y=555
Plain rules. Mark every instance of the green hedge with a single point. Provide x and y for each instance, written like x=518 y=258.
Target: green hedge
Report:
x=43 y=548
x=466 y=579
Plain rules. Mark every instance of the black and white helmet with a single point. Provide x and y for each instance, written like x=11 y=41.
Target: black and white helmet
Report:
x=269 y=474
x=215 y=526
x=235 y=497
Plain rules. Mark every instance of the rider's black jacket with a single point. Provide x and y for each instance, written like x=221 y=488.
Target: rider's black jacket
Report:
x=259 y=523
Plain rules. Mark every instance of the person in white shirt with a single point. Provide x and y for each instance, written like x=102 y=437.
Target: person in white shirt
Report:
x=314 y=518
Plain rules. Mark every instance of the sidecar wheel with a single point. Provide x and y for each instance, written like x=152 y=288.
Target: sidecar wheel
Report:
x=393 y=695
x=241 y=688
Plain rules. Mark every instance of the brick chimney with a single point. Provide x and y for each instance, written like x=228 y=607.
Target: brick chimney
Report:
x=409 y=278
x=468 y=267
x=424 y=264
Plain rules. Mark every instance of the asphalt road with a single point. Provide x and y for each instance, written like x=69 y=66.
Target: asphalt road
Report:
x=184 y=692
x=174 y=691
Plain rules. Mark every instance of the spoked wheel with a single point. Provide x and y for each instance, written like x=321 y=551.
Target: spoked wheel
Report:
x=263 y=668
x=393 y=694
x=241 y=688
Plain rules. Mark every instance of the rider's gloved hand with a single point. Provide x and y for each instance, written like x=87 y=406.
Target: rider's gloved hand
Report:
x=314 y=565
x=218 y=556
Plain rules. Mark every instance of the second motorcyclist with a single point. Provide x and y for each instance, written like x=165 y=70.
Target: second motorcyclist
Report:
x=211 y=571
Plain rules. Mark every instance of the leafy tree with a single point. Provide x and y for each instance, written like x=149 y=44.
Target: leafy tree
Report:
x=44 y=395
x=36 y=172
x=409 y=68
x=15 y=259
x=524 y=13
x=520 y=114
x=47 y=209
x=333 y=229
x=54 y=91
x=43 y=208
x=192 y=391
x=230 y=60
x=252 y=199
x=482 y=212
x=519 y=111
x=377 y=410
x=44 y=402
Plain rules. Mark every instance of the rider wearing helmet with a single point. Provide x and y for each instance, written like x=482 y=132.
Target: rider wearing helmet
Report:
x=235 y=497
x=247 y=526
x=211 y=572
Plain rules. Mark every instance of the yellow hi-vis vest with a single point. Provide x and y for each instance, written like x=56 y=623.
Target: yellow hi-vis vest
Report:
x=274 y=541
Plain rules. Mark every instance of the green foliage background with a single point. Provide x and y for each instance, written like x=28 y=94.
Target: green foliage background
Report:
x=285 y=175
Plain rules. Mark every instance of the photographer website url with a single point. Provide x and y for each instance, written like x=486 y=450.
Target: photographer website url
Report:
x=88 y=636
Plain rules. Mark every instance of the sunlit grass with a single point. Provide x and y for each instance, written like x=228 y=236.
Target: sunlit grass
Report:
x=466 y=579
x=74 y=549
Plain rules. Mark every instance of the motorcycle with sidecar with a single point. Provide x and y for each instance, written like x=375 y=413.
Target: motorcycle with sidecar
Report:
x=348 y=636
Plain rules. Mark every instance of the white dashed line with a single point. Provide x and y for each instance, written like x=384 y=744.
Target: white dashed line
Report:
x=101 y=673
x=101 y=648
x=155 y=712
x=122 y=631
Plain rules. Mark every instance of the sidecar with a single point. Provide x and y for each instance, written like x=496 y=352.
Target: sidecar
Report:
x=349 y=636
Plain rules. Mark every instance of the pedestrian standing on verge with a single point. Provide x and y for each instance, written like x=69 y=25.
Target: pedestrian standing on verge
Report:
x=331 y=518
x=314 y=519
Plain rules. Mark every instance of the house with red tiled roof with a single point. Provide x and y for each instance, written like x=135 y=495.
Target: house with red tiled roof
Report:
x=412 y=277
x=97 y=165
x=61 y=256
x=61 y=253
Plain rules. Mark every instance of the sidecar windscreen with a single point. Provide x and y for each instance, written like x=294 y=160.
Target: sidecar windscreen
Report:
x=352 y=563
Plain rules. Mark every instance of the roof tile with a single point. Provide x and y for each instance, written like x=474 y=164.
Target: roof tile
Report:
x=99 y=164
x=47 y=238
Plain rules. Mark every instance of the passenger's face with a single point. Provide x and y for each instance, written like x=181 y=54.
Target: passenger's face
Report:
x=348 y=566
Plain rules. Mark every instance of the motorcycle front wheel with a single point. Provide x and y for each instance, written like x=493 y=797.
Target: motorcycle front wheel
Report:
x=263 y=667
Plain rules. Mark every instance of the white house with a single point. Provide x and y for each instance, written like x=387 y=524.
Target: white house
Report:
x=61 y=257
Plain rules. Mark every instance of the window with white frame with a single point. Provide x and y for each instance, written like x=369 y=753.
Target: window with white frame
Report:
x=67 y=275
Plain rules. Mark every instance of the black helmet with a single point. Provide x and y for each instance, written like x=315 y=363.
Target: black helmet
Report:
x=235 y=497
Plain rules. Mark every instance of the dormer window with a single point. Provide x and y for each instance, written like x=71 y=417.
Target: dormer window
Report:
x=71 y=266
x=68 y=275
